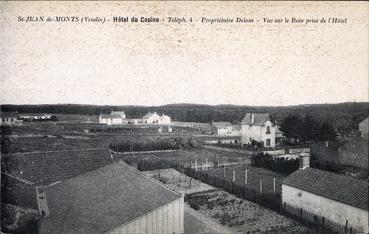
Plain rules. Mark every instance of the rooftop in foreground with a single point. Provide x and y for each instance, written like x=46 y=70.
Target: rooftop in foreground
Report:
x=44 y=168
x=333 y=186
x=101 y=200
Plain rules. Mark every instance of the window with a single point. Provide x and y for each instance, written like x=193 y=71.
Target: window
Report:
x=267 y=142
x=268 y=130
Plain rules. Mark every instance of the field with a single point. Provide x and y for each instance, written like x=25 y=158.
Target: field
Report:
x=211 y=210
x=243 y=216
x=185 y=158
x=76 y=132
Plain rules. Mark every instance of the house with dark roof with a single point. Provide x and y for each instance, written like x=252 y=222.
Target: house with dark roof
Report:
x=113 y=199
x=335 y=197
x=258 y=127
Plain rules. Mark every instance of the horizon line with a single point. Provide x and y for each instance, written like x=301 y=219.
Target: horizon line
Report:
x=184 y=103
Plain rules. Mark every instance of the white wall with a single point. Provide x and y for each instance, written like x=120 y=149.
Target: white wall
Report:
x=258 y=133
x=165 y=119
x=167 y=219
x=324 y=207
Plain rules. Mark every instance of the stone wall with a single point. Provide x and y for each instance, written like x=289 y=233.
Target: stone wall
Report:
x=324 y=207
x=354 y=153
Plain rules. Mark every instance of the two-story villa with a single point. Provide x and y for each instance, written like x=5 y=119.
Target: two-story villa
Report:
x=258 y=127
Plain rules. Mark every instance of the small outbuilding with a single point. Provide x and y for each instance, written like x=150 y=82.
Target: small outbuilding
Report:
x=337 y=199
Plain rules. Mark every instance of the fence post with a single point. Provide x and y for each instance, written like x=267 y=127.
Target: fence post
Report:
x=195 y=164
x=346 y=226
x=223 y=171
x=274 y=185
x=234 y=176
x=245 y=176
x=261 y=186
x=206 y=164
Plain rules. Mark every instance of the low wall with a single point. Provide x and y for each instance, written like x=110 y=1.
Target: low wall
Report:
x=324 y=154
x=354 y=153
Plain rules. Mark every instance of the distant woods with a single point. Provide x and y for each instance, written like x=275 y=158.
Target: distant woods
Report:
x=343 y=117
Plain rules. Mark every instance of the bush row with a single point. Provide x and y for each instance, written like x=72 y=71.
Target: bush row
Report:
x=152 y=145
x=281 y=165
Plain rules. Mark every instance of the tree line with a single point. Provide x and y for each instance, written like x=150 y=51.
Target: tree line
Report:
x=344 y=117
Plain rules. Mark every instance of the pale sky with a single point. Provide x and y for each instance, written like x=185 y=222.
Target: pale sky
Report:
x=156 y=64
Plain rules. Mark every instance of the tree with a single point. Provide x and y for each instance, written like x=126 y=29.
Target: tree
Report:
x=292 y=127
x=310 y=129
x=327 y=132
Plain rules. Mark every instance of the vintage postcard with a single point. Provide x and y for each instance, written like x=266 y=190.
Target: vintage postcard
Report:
x=173 y=117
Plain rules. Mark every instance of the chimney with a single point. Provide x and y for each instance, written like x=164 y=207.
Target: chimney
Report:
x=304 y=160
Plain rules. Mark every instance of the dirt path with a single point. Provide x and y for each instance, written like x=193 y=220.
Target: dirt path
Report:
x=197 y=223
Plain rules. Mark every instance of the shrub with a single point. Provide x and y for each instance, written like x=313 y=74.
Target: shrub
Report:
x=281 y=165
x=151 y=145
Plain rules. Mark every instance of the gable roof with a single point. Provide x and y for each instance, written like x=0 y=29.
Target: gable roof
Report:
x=44 y=168
x=221 y=124
x=101 y=200
x=330 y=185
x=110 y=116
x=259 y=119
x=117 y=113
x=149 y=114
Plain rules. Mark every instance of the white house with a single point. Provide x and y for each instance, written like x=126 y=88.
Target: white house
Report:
x=116 y=199
x=221 y=128
x=363 y=128
x=330 y=196
x=165 y=119
x=258 y=127
x=115 y=117
x=10 y=118
x=110 y=119
x=151 y=118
